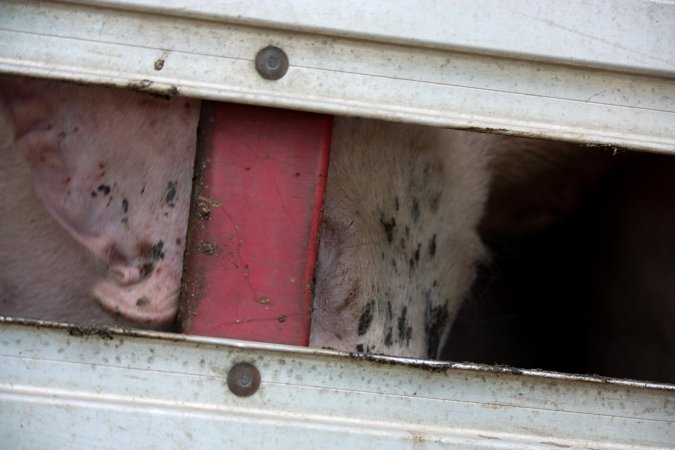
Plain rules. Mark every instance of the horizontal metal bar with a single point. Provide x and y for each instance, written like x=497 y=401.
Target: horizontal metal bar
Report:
x=336 y=70
x=64 y=386
x=605 y=34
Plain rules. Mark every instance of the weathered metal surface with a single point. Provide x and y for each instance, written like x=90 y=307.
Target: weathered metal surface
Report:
x=260 y=179
x=599 y=72
x=65 y=387
x=602 y=33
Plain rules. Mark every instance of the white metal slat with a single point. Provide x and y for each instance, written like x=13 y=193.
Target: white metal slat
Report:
x=147 y=390
x=634 y=36
x=412 y=79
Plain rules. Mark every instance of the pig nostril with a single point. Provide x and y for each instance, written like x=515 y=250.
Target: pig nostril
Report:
x=119 y=274
x=126 y=275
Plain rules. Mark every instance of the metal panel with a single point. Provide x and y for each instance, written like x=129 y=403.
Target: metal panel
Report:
x=65 y=387
x=596 y=72
x=633 y=36
x=260 y=179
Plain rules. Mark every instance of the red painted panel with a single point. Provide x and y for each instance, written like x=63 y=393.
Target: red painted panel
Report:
x=259 y=184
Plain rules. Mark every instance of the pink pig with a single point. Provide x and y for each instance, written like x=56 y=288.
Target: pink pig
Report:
x=114 y=169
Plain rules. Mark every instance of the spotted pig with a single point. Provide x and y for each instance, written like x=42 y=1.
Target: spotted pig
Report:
x=400 y=240
x=112 y=170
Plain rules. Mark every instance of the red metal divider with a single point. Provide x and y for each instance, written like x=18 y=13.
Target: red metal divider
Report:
x=260 y=179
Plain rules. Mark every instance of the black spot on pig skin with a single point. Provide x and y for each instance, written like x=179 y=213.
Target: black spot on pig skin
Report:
x=151 y=252
x=388 y=340
x=366 y=318
x=404 y=329
x=432 y=246
x=146 y=269
x=171 y=191
x=436 y=319
x=157 y=250
x=388 y=226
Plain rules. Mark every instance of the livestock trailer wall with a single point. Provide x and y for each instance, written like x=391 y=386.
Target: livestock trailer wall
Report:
x=597 y=72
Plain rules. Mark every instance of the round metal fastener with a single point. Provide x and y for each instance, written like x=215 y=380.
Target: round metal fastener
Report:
x=243 y=379
x=271 y=63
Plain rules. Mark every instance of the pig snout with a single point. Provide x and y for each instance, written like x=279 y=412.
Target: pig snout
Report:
x=153 y=299
x=114 y=169
x=145 y=287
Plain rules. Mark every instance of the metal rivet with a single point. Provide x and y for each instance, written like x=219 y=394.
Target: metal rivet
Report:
x=271 y=63
x=243 y=379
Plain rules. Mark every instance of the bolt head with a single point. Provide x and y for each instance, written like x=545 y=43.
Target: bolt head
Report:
x=271 y=63
x=243 y=379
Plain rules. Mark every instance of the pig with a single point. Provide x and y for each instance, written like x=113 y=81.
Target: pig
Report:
x=112 y=169
x=33 y=245
x=400 y=241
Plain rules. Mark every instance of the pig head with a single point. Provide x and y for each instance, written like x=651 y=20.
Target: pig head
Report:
x=114 y=168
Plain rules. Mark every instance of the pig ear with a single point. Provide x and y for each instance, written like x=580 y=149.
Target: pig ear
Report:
x=43 y=155
x=26 y=102
x=29 y=110
x=26 y=112
x=56 y=184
